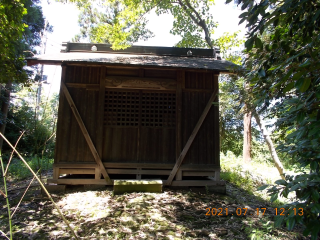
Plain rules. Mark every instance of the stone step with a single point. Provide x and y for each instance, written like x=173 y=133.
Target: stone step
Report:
x=129 y=186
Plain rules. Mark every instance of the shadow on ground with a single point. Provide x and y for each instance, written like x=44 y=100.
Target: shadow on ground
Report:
x=173 y=214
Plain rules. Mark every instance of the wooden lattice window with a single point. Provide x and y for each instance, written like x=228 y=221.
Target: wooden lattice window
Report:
x=158 y=109
x=122 y=108
x=138 y=108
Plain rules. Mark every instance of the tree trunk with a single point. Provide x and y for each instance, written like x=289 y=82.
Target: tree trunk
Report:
x=4 y=110
x=269 y=142
x=247 y=135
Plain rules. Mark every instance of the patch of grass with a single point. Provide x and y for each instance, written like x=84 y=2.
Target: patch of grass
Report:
x=262 y=229
x=18 y=171
x=242 y=175
x=235 y=174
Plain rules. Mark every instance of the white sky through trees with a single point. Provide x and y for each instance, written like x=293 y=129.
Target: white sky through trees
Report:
x=64 y=19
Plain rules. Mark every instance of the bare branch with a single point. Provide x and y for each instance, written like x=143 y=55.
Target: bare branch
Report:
x=23 y=195
x=4 y=234
x=3 y=194
x=5 y=172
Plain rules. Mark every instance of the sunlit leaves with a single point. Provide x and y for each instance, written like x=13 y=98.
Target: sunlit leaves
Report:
x=228 y=42
x=123 y=22
x=117 y=22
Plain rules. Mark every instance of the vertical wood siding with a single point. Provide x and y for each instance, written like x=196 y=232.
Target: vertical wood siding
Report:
x=71 y=145
x=205 y=148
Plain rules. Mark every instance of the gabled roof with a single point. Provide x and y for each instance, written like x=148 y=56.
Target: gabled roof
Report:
x=207 y=59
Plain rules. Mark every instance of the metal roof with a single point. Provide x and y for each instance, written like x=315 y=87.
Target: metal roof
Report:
x=148 y=57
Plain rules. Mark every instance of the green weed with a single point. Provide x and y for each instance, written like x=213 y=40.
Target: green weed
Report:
x=260 y=231
x=18 y=170
x=233 y=171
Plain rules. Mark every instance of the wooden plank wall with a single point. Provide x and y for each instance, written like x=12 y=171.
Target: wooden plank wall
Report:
x=196 y=92
x=137 y=143
x=70 y=144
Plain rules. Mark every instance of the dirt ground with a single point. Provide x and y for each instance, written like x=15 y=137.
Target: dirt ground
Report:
x=172 y=214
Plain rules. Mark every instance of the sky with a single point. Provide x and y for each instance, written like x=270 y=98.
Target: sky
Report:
x=64 y=19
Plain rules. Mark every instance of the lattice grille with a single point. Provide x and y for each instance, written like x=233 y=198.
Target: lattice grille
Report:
x=122 y=108
x=158 y=109
x=138 y=108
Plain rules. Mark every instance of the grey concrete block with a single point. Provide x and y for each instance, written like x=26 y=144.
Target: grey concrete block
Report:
x=54 y=189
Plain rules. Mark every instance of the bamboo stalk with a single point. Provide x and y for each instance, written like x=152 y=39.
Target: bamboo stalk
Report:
x=23 y=195
x=6 y=193
x=4 y=234
x=5 y=173
x=43 y=187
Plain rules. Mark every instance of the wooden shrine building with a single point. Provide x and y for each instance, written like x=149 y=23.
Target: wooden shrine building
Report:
x=143 y=112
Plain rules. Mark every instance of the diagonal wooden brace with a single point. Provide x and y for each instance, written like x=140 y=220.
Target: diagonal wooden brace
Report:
x=191 y=138
x=85 y=132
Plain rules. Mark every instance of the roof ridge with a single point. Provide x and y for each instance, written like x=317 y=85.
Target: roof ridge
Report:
x=142 y=50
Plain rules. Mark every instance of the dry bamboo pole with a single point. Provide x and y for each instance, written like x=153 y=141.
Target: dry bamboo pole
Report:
x=6 y=196
x=43 y=187
x=5 y=172
x=23 y=196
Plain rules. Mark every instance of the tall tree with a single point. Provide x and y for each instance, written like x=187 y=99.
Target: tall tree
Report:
x=284 y=59
x=247 y=136
x=11 y=67
x=11 y=29
x=21 y=23
x=122 y=22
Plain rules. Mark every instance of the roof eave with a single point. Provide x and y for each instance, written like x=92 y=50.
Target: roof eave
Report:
x=32 y=62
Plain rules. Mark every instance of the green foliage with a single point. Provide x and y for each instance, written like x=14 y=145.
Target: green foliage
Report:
x=38 y=124
x=234 y=173
x=36 y=25
x=228 y=42
x=21 y=116
x=192 y=19
x=260 y=231
x=231 y=88
x=284 y=60
x=231 y=106
x=123 y=22
x=21 y=26
x=21 y=23
x=11 y=29
x=231 y=119
x=119 y=23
